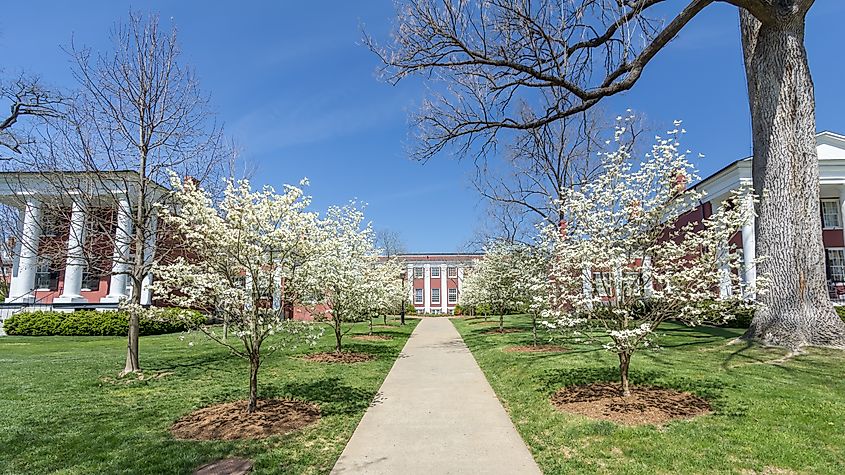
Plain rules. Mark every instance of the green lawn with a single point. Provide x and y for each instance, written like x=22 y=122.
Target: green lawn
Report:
x=63 y=411
x=769 y=418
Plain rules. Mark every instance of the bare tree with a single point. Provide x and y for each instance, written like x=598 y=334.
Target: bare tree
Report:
x=516 y=65
x=390 y=242
x=138 y=116
x=25 y=96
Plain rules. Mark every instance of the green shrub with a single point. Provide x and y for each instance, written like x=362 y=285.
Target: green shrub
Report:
x=95 y=323
x=840 y=310
x=410 y=309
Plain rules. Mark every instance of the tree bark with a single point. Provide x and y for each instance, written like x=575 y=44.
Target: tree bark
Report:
x=624 y=363
x=338 y=335
x=501 y=323
x=254 y=363
x=534 y=328
x=796 y=311
x=133 y=364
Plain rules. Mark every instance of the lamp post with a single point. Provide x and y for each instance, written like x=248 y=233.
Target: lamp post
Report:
x=403 y=275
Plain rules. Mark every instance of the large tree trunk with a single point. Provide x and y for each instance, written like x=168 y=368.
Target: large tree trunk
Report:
x=796 y=310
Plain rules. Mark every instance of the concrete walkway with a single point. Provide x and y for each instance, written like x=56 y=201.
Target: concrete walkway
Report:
x=436 y=414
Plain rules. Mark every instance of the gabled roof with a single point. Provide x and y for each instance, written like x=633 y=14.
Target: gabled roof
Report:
x=831 y=146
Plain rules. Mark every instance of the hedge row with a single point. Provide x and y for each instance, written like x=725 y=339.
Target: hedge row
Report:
x=94 y=323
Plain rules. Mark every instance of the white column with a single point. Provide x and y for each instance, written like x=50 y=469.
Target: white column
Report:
x=749 y=251
x=648 y=282
x=724 y=272
x=427 y=287
x=587 y=283
x=120 y=259
x=75 y=265
x=410 y=281
x=23 y=276
x=444 y=291
x=149 y=255
x=277 y=289
x=460 y=280
x=842 y=208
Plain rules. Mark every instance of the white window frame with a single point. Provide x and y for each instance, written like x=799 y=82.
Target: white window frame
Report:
x=44 y=266
x=418 y=295
x=600 y=278
x=435 y=295
x=839 y=274
x=837 y=214
x=418 y=272
x=435 y=272
x=452 y=295
x=452 y=272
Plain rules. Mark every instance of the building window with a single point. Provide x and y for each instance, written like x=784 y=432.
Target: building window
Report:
x=453 y=295
x=603 y=283
x=452 y=272
x=435 y=272
x=830 y=214
x=435 y=295
x=418 y=272
x=418 y=295
x=46 y=277
x=836 y=264
x=90 y=279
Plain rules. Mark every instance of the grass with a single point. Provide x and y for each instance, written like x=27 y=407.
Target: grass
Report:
x=769 y=418
x=62 y=410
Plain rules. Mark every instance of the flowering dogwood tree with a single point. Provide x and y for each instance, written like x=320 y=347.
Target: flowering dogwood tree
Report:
x=531 y=282
x=238 y=255
x=492 y=281
x=347 y=275
x=623 y=261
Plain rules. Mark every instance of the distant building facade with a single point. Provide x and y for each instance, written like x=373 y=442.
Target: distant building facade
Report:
x=436 y=279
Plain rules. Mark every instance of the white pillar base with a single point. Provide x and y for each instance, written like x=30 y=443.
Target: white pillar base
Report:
x=20 y=299
x=113 y=298
x=70 y=299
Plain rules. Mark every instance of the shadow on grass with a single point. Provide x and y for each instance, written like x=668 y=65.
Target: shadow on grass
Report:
x=331 y=394
x=552 y=380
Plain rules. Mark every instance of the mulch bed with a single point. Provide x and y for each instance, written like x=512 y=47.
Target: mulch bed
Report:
x=231 y=466
x=343 y=357
x=535 y=349
x=372 y=337
x=229 y=421
x=495 y=331
x=645 y=405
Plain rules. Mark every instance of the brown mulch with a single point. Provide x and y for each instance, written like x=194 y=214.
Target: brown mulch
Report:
x=229 y=421
x=231 y=466
x=535 y=349
x=645 y=405
x=342 y=357
x=505 y=330
x=372 y=337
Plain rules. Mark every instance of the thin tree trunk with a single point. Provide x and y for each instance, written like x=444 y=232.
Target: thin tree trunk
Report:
x=796 y=311
x=624 y=362
x=501 y=322
x=254 y=363
x=371 y=325
x=534 y=328
x=338 y=334
x=132 y=362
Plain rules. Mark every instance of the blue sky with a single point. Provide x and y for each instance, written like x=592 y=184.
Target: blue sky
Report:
x=300 y=96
